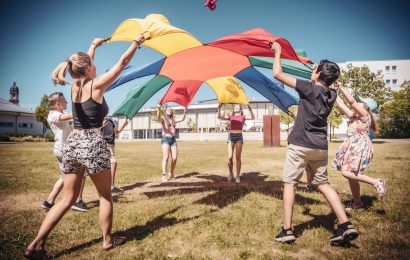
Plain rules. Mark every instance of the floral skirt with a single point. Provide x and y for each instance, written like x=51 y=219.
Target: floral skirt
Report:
x=354 y=154
x=86 y=150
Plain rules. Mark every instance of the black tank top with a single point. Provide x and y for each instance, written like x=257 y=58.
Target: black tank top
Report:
x=89 y=114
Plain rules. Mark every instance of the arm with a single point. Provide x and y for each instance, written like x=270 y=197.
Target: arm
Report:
x=65 y=117
x=354 y=104
x=183 y=118
x=277 y=68
x=107 y=78
x=221 y=117
x=96 y=43
x=252 y=115
x=343 y=108
x=119 y=129
x=158 y=113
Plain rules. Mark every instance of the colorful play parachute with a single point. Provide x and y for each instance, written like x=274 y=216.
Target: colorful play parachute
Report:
x=188 y=64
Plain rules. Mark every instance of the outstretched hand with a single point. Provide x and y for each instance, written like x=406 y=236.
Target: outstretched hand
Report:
x=98 y=41
x=275 y=47
x=140 y=39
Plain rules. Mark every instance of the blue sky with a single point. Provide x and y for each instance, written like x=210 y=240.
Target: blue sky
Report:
x=37 y=35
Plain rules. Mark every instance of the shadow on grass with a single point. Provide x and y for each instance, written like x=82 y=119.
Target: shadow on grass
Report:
x=136 y=232
x=225 y=192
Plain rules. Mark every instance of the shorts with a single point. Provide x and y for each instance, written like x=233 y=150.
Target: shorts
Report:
x=111 y=149
x=58 y=153
x=168 y=140
x=86 y=150
x=235 y=138
x=299 y=158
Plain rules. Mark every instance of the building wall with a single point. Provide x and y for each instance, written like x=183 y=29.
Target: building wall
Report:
x=19 y=124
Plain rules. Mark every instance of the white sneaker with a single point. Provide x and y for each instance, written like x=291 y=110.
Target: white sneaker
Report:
x=237 y=179
x=230 y=177
x=164 y=178
x=171 y=175
x=380 y=188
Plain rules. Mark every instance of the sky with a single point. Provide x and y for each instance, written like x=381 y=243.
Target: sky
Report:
x=38 y=35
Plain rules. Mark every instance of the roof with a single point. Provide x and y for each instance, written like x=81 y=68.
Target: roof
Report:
x=6 y=106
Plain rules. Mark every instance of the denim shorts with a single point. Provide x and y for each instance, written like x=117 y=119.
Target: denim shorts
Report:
x=235 y=138
x=168 y=140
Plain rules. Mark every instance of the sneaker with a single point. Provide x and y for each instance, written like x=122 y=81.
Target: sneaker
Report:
x=230 y=177
x=343 y=234
x=237 y=179
x=353 y=206
x=117 y=190
x=80 y=206
x=380 y=188
x=46 y=205
x=285 y=236
x=171 y=175
x=164 y=178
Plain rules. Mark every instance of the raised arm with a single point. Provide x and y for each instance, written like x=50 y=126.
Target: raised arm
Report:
x=221 y=117
x=119 y=129
x=159 y=113
x=252 y=115
x=96 y=42
x=183 y=118
x=277 y=67
x=353 y=103
x=343 y=108
x=107 y=78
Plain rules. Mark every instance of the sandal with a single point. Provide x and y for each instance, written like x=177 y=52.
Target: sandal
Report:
x=353 y=206
x=117 y=241
x=41 y=254
x=380 y=187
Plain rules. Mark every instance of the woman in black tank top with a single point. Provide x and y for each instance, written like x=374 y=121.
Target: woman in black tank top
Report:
x=85 y=148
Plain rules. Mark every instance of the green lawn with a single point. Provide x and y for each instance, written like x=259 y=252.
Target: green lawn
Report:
x=200 y=215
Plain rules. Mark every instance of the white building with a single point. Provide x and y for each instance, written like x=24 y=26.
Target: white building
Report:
x=17 y=119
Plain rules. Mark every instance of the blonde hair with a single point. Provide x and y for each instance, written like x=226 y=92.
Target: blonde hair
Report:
x=240 y=109
x=77 y=65
x=52 y=98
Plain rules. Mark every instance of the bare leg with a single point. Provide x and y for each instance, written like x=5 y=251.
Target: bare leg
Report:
x=113 y=171
x=355 y=188
x=230 y=158
x=165 y=154
x=80 y=195
x=102 y=182
x=238 y=147
x=174 y=155
x=334 y=201
x=289 y=191
x=359 y=177
x=72 y=184
x=58 y=186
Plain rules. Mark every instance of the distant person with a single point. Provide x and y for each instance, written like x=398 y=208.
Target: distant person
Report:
x=356 y=152
x=85 y=148
x=109 y=130
x=168 y=141
x=308 y=146
x=235 y=138
x=58 y=122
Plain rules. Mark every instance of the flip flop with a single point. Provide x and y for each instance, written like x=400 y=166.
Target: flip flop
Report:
x=41 y=254
x=117 y=241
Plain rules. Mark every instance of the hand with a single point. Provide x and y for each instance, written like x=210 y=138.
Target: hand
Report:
x=220 y=105
x=249 y=107
x=98 y=41
x=140 y=39
x=275 y=47
x=126 y=122
x=185 y=110
x=158 y=105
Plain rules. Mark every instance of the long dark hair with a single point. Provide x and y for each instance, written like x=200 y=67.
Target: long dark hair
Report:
x=373 y=125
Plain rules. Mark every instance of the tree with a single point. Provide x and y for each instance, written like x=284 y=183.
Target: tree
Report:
x=41 y=113
x=287 y=119
x=394 y=119
x=362 y=82
x=334 y=120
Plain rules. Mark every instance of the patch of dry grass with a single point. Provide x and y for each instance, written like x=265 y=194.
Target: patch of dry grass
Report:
x=200 y=215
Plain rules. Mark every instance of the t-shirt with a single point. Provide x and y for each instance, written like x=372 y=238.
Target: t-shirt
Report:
x=316 y=103
x=237 y=122
x=61 y=129
x=108 y=132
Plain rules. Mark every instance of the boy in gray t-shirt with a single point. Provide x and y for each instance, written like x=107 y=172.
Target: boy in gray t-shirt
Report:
x=308 y=146
x=59 y=124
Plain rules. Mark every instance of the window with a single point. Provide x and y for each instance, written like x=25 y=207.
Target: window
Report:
x=387 y=81
x=394 y=82
x=6 y=124
x=23 y=125
x=394 y=68
x=387 y=69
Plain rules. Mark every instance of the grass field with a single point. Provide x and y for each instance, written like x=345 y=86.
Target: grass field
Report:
x=200 y=215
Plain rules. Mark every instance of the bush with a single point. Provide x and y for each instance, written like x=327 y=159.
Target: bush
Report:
x=26 y=137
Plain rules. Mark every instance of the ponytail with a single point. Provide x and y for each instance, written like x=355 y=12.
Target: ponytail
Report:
x=77 y=65
x=58 y=74
x=373 y=125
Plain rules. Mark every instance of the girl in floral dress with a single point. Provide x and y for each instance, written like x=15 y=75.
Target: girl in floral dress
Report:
x=354 y=155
